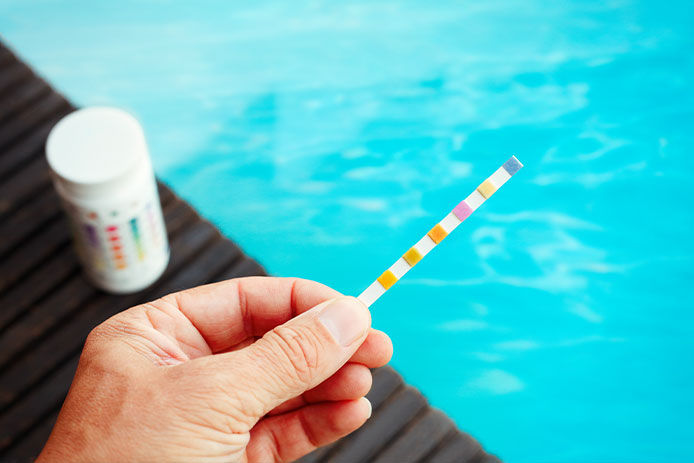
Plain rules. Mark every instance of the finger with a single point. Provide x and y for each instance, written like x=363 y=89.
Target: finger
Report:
x=293 y=357
x=231 y=311
x=286 y=437
x=376 y=350
x=350 y=382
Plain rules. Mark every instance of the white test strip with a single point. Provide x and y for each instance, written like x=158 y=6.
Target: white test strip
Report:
x=442 y=229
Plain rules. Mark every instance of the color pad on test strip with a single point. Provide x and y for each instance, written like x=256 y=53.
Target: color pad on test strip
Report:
x=442 y=229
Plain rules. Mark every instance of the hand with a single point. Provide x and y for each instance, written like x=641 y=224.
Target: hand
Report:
x=247 y=370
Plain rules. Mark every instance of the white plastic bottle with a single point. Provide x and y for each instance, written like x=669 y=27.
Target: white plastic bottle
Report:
x=101 y=168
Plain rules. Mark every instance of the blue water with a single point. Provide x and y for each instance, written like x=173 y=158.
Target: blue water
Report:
x=326 y=137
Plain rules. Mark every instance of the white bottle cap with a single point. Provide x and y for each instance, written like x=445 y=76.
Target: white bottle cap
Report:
x=93 y=151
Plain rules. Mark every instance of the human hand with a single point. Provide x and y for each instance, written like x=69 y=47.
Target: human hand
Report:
x=222 y=372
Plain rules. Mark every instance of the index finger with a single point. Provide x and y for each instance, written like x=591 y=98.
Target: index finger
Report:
x=231 y=311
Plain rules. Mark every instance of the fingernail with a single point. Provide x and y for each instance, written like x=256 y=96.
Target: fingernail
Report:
x=346 y=318
x=364 y=399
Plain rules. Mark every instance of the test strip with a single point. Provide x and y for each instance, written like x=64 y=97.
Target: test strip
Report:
x=440 y=231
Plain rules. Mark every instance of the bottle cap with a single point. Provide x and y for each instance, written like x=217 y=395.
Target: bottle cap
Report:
x=96 y=151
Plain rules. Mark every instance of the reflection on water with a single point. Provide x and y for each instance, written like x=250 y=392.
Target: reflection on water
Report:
x=327 y=137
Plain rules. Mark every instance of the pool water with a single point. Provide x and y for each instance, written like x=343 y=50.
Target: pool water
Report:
x=327 y=137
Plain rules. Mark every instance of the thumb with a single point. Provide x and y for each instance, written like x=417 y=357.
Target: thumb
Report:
x=299 y=354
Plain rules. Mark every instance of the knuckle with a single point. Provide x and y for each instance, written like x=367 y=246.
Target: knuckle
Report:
x=299 y=350
x=98 y=335
x=100 y=338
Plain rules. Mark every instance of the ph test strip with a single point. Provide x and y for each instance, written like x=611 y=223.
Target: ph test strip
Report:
x=442 y=229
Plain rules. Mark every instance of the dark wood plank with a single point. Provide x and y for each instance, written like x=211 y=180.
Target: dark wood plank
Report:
x=487 y=458
x=385 y=382
x=180 y=215
x=17 y=420
x=11 y=74
x=53 y=272
x=50 y=274
x=17 y=189
x=41 y=316
x=25 y=221
x=206 y=265
x=60 y=344
x=206 y=268
x=209 y=262
x=165 y=193
x=455 y=448
x=22 y=150
x=45 y=314
x=32 y=252
x=28 y=446
x=419 y=437
x=374 y=435
x=6 y=56
x=23 y=95
x=51 y=105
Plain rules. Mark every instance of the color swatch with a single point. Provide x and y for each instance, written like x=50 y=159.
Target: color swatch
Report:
x=116 y=247
x=137 y=238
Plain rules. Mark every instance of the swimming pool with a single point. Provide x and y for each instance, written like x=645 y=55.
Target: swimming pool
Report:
x=555 y=325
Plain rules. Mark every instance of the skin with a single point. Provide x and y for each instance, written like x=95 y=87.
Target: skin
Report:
x=245 y=370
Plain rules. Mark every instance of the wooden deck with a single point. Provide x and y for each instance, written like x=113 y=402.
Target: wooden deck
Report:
x=47 y=308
